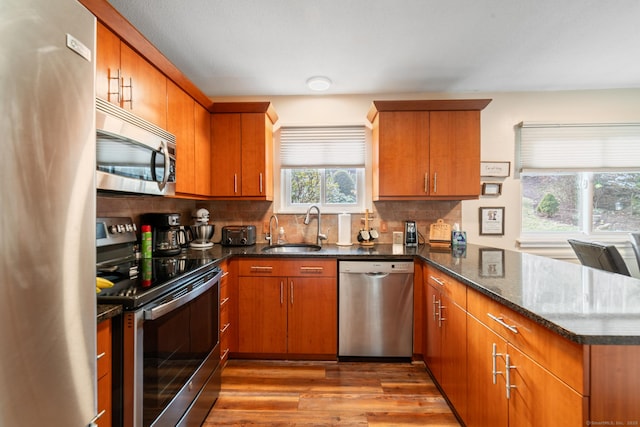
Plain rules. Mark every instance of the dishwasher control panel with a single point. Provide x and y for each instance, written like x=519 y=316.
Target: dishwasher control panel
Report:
x=390 y=266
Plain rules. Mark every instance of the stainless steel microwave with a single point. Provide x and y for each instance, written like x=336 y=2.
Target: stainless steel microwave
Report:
x=133 y=155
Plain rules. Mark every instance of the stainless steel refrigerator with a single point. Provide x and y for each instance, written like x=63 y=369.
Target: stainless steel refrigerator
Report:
x=47 y=214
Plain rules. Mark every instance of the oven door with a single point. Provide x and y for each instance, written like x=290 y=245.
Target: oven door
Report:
x=171 y=353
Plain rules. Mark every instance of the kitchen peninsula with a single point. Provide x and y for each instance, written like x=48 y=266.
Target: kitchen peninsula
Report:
x=546 y=337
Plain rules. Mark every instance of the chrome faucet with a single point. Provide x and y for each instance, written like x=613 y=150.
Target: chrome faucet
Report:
x=269 y=236
x=320 y=236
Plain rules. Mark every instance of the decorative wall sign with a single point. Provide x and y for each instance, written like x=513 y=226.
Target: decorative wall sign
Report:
x=491 y=189
x=491 y=221
x=495 y=169
x=491 y=263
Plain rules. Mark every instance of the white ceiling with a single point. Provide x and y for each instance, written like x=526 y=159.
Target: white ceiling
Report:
x=271 y=47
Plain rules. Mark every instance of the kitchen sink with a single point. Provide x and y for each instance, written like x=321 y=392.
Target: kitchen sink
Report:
x=289 y=248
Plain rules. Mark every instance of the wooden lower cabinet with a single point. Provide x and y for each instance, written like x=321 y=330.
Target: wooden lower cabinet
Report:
x=104 y=357
x=226 y=313
x=445 y=335
x=293 y=315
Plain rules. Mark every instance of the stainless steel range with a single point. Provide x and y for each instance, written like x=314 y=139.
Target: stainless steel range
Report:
x=171 y=350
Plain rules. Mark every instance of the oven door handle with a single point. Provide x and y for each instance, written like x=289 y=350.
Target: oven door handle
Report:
x=162 y=309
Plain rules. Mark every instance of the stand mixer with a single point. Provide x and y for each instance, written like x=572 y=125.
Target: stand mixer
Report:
x=201 y=230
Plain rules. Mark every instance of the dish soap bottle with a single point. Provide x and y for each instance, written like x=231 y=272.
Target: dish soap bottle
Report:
x=281 y=237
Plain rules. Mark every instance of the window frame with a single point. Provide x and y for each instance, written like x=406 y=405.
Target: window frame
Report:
x=585 y=208
x=364 y=178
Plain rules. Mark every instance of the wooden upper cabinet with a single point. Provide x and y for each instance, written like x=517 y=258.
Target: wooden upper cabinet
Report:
x=202 y=150
x=454 y=153
x=128 y=80
x=107 y=65
x=242 y=140
x=426 y=149
x=181 y=123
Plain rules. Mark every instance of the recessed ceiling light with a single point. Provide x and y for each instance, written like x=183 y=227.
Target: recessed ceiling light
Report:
x=319 y=83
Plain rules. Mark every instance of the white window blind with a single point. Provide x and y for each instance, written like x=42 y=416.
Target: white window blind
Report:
x=326 y=146
x=578 y=147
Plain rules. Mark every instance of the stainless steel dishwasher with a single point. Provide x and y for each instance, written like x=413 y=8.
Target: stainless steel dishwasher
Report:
x=375 y=316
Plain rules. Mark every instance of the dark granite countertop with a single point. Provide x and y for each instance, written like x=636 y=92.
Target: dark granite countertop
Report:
x=582 y=304
x=107 y=311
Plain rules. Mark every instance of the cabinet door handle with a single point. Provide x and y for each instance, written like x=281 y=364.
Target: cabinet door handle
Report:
x=224 y=274
x=260 y=182
x=494 y=356
x=507 y=369
x=101 y=355
x=235 y=183
x=435 y=309
x=435 y=182
x=291 y=291
x=224 y=301
x=438 y=281
x=116 y=93
x=426 y=182
x=281 y=292
x=501 y=321
x=130 y=100
x=440 y=318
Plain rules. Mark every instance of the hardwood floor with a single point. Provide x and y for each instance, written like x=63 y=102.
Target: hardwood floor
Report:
x=283 y=393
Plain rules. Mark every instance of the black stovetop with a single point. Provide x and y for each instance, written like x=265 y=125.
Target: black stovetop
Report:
x=140 y=281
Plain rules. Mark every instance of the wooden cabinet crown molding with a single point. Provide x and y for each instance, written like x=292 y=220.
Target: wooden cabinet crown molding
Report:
x=117 y=23
x=265 y=107
x=427 y=105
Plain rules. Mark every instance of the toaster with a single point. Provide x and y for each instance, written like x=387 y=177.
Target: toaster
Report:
x=238 y=235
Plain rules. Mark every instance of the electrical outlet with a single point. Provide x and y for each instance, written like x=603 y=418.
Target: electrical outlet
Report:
x=383 y=226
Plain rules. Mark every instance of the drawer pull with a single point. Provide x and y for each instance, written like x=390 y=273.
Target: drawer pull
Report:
x=311 y=269
x=500 y=320
x=225 y=327
x=104 y=411
x=438 y=281
x=226 y=351
x=101 y=355
x=224 y=274
x=224 y=301
x=262 y=268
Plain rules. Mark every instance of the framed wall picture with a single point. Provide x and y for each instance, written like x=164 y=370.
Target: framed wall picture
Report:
x=491 y=262
x=495 y=169
x=491 y=221
x=491 y=188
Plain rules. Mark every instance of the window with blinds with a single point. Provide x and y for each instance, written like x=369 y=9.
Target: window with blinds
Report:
x=579 y=179
x=323 y=166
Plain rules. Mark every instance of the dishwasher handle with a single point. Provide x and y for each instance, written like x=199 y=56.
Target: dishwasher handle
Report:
x=377 y=274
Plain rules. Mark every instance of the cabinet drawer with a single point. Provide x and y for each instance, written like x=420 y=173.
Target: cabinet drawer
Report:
x=448 y=286
x=261 y=267
x=104 y=347
x=311 y=267
x=307 y=267
x=565 y=359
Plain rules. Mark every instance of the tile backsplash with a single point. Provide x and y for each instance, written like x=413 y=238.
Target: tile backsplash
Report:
x=387 y=216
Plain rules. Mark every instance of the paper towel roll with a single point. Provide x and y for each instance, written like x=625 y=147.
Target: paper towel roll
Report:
x=344 y=229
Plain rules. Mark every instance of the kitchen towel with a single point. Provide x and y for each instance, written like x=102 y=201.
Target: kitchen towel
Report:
x=344 y=229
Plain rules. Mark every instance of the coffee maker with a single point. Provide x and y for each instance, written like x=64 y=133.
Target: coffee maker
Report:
x=165 y=230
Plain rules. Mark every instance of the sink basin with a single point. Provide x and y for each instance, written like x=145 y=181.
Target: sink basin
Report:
x=289 y=248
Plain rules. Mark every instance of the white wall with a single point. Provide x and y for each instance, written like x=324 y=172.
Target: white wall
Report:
x=498 y=120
